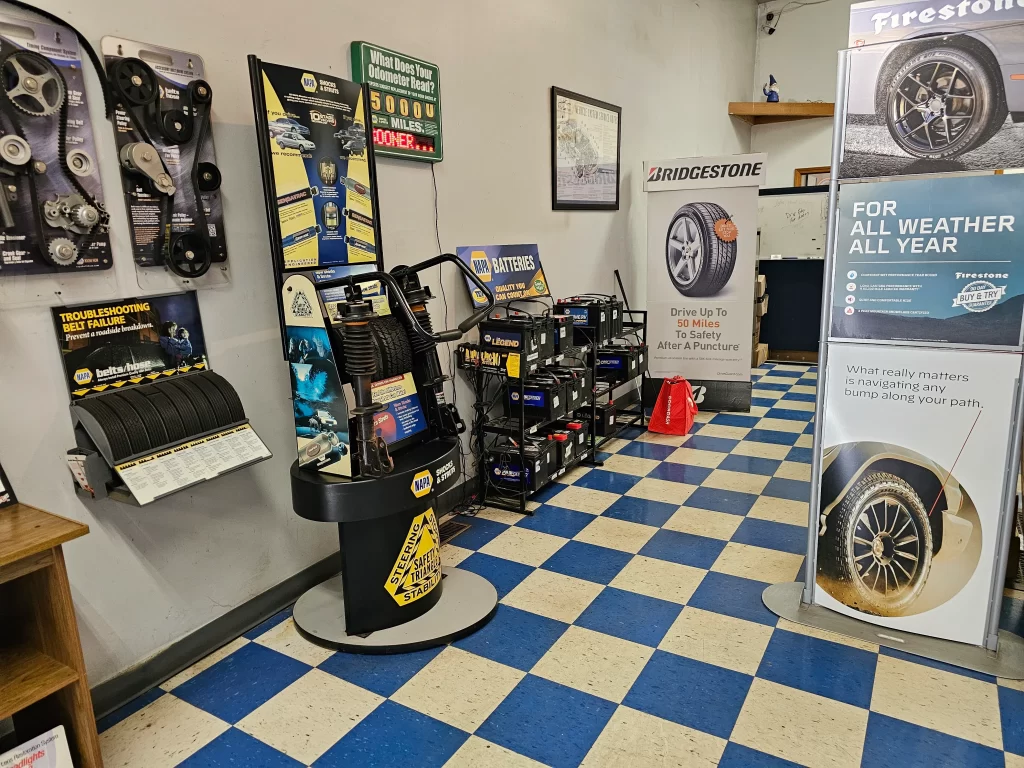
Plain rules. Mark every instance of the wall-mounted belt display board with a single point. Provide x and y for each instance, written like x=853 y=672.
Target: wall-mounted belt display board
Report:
x=701 y=264
x=150 y=416
x=919 y=414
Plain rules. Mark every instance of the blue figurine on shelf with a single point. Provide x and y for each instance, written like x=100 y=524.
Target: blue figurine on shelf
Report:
x=771 y=90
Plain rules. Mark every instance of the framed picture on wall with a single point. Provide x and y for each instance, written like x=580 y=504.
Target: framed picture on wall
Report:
x=586 y=136
x=7 y=497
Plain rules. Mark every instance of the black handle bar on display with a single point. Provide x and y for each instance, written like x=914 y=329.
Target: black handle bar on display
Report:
x=453 y=334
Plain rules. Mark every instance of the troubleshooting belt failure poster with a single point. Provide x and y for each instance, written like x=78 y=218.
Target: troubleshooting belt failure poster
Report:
x=321 y=169
x=932 y=261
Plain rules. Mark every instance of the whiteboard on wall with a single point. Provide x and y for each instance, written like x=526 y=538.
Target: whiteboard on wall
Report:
x=792 y=225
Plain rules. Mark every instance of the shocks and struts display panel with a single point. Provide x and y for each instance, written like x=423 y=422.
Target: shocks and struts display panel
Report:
x=52 y=216
x=162 y=127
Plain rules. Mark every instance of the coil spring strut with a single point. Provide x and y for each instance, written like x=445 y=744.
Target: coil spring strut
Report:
x=359 y=355
x=361 y=364
x=419 y=344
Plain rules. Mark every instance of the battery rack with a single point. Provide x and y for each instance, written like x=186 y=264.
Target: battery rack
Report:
x=515 y=458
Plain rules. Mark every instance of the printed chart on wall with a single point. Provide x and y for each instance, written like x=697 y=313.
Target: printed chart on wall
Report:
x=913 y=456
x=701 y=252
x=510 y=271
x=125 y=342
x=934 y=87
x=931 y=261
x=317 y=141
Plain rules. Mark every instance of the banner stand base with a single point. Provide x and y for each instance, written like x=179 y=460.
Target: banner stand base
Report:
x=1008 y=661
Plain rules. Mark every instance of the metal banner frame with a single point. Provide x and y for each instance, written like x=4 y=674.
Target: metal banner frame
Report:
x=1002 y=653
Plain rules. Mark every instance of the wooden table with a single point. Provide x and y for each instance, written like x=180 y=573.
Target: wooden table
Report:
x=42 y=671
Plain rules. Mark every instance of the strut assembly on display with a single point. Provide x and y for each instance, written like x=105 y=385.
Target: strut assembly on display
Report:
x=52 y=216
x=165 y=149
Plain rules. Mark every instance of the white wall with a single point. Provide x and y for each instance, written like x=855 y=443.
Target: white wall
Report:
x=146 y=577
x=802 y=54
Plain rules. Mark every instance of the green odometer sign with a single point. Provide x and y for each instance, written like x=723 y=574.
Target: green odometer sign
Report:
x=405 y=102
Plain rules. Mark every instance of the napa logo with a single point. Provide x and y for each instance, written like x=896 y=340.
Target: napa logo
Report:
x=479 y=297
x=481 y=265
x=422 y=482
x=308 y=82
x=83 y=376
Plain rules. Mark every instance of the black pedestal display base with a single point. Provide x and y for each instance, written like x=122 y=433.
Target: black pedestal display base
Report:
x=467 y=603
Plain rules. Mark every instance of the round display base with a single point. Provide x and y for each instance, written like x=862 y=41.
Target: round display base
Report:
x=467 y=603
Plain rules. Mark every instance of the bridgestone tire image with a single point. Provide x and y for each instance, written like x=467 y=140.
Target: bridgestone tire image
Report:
x=176 y=431
x=230 y=395
x=699 y=262
x=137 y=434
x=150 y=417
x=391 y=344
x=182 y=404
x=877 y=546
x=217 y=401
x=113 y=429
x=202 y=407
x=943 y=102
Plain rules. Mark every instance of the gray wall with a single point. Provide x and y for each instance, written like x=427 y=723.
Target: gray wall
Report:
x=146 y=577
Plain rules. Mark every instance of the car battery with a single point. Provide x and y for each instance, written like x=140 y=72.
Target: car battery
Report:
x=621 y=363
x=503 y=466
x=565 y=447
x=561 y=326
x=579 y=429
x=613 y=306
x=604 y=425
x=548 y=452
x=579 y=382
x=542 y=399
x=528 y=335
x=590 y=319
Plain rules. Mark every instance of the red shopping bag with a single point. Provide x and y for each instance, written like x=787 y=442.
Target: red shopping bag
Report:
x=674 y=410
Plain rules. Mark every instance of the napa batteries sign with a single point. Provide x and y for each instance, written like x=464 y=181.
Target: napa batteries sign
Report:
x=510 y=271
x=933 y=261
x=701 y=251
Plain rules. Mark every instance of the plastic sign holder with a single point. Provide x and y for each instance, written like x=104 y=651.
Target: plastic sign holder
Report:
x=918 y=421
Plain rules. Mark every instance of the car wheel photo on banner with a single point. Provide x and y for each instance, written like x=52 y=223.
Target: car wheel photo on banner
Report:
x=701 y=262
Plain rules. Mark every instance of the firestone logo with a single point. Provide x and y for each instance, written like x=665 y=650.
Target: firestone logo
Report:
x=946 y=12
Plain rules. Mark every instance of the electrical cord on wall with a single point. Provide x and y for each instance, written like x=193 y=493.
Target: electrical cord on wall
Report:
x=772 y=18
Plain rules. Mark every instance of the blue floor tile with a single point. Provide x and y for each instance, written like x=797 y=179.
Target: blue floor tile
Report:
x=733 y=596
x=639 y=618
x=1011 y=710
x=752 y=465
x=773 y=387
x=771 y=436
x=381 y=674
x=645 y=511
x=819 y=666
x=680 y=473
x=803 y=455
x=690 y=692
x=269 y=624
x=631 y=433
x=1011 y=616
x=762 y=402
x=803 y=397
x=548 y=722
x=481 y=531
x=603 y=480
x=129 y=709
x=393 y=736
x=738 y=756
x=772 y=535
x=587 y=561
x=809 y=429
x=513 y=637
x=913 y=659
x=546 y=493
x=236 y=685
x=891 y=742
x=235 y=749
x=718 y=444
x=780 y=412
x=683 y=548
x=603 y=456
x=766 y=366
x=783 y=488
x=717 y=500
x=734 y=420
x=556 y=521
x=504 y=574
x=648 y=450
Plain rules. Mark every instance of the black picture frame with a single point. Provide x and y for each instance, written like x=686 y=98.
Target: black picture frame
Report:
x=561 y=203
x=7 y=497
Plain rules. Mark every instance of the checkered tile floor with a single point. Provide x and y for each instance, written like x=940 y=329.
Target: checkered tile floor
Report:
x=630 y=633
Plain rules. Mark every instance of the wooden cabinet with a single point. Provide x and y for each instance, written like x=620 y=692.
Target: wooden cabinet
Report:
x=42 y=671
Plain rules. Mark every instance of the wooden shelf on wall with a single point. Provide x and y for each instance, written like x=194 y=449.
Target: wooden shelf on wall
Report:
x=762 y=112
